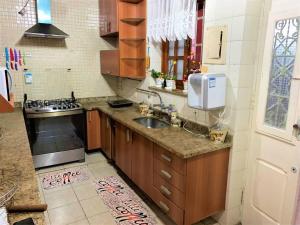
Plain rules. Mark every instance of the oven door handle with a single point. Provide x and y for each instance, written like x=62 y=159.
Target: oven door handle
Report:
x=53 y=114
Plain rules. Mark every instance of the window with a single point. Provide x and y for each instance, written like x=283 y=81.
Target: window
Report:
x=281 y=72
x=181 y=50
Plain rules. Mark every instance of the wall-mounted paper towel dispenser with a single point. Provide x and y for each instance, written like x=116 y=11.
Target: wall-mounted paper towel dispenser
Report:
x=206 y=91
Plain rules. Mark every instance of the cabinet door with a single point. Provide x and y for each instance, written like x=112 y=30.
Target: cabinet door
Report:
x=142 y=163
x=108 y=17
x=103 y=17
x=93 y=130
x=106 y=135
x=109 y=60
x=123 y=140
x=112 y=26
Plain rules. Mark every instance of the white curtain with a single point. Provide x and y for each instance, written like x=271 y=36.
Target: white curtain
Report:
x=171 y=19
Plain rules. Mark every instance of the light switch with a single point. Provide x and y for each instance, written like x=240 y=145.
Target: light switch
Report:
x=215 y=43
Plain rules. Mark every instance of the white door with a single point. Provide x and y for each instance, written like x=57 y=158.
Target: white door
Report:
x=271 y=188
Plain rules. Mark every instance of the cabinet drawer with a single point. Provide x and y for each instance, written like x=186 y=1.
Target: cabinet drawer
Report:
x=170 y=192
x=169 y=175
x=176 y=163
x=169 y=208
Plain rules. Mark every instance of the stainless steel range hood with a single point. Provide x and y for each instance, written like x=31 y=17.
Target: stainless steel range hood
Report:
x=44 y=27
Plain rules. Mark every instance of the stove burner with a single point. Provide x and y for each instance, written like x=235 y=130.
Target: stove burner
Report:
x=55 y=105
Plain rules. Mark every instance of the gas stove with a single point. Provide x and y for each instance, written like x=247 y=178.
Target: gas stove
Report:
x=57 y=105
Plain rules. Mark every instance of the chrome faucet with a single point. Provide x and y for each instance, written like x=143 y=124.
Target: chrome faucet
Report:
x=153 y=93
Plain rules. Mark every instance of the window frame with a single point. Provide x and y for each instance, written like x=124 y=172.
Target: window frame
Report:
x=187 y=49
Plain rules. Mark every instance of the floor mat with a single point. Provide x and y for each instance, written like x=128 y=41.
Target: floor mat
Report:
x=126 y=207
x=66 y=177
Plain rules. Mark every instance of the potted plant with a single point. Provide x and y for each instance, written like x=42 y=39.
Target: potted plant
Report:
x=170 y=79
x=158 y=77
x=170 y=82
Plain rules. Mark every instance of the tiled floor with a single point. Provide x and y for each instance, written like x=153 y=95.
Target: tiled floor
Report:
x=79 y=204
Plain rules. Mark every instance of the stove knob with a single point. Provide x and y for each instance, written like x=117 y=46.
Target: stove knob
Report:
x=59 y=107
x=54 y=108
x=64 y=107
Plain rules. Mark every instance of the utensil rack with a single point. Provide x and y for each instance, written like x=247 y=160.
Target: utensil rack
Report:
x=7 y=106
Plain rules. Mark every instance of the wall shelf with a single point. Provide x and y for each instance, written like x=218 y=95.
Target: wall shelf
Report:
x=132 y=1
x=132 y=39
x=142 y=58
x=133 y=21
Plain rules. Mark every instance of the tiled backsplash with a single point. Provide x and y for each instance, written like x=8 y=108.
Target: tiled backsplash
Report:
x=58 y=66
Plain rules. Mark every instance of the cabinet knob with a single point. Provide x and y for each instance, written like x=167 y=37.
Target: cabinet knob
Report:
x=164 y=207
x=165 y=174
x=165 y=191
x=166 y=158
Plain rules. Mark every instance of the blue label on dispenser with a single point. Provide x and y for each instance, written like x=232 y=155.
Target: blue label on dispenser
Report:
x=212 y=82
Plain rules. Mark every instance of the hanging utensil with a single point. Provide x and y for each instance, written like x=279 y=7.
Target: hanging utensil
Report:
x=11 y=53
x=7 y=58
x=16 y=59
x=24 y=62
x=20 y=58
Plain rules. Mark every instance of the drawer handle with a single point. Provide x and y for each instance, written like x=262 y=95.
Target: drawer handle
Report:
x=166 y=174
x=164 y=207
x=165 y=191
x=166 y=158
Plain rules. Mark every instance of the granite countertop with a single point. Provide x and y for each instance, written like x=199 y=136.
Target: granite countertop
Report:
x=15 y=152
x=176 y=140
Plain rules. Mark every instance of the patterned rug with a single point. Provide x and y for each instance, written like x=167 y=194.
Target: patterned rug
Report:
x=126 y=207
x=69 y=176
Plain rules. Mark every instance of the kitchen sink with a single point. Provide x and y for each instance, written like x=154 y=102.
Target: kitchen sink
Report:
x=151 y=122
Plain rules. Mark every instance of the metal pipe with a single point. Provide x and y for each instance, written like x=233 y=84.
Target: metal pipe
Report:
x=153 y=93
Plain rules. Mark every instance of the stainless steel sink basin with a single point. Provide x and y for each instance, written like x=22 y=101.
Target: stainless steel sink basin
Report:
x=151 y=122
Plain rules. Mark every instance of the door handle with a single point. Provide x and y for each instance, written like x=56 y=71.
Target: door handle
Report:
x=165 y=191
x=166 y=158
x=165 y=174
x=127 y=135
x=297 y=130
x=164 y=207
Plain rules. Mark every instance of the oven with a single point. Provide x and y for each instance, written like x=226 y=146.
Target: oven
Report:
x=56 y=136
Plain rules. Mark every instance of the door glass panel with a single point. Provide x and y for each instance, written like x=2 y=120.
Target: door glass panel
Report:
x=281 y=72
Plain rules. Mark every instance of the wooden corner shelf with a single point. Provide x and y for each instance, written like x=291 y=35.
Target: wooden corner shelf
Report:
x=7 y=106
x=132 y=1
x=128 y=58
x=132 y=39
x=134 y=21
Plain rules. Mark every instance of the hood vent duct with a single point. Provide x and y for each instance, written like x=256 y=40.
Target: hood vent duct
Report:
x=44 y=27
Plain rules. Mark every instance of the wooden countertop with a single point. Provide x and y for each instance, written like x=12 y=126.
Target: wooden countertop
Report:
x=176 y=140
x=15 y=152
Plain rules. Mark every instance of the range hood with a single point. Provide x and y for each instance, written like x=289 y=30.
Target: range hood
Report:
x=44 y=27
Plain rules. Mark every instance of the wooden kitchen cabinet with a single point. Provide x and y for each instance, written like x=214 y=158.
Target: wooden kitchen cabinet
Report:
x=110 y=62
x=142 y=162
x=108 y=18
x=186 y=190
x=123 y=140
x=106 y=135
x=93 y=130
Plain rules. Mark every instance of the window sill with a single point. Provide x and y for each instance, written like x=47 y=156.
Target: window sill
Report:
x=172 y=92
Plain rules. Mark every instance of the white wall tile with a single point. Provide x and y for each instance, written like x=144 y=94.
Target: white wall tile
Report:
x=50 y=59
